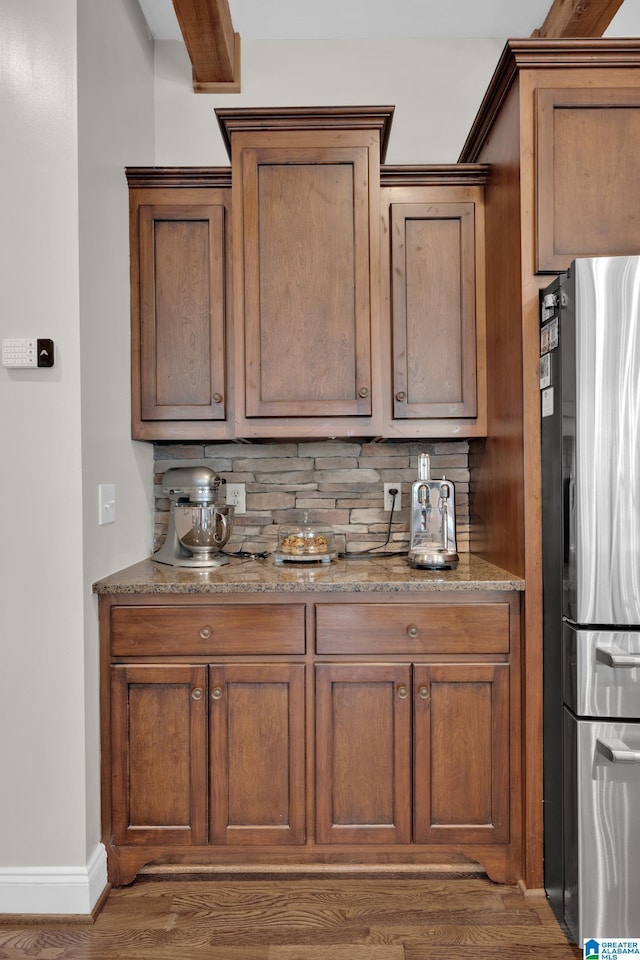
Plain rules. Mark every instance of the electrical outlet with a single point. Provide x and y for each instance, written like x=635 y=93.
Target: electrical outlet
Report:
x=236 y=497
x=389 y=503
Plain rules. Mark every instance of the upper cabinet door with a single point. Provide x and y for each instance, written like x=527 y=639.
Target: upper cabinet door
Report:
x=182 y=308
x=306 y=267
x=433 y=302
x=587 y=174
x=307 y=301
x=181 y=302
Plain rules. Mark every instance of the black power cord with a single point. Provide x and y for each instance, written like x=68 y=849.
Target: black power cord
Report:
x=368 y=554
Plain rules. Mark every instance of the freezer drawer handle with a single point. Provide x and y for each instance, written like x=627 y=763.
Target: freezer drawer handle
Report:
x=617 y=751
x=615 y=656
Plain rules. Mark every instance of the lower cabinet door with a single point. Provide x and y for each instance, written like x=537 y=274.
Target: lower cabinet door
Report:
x=363 y=753
x=159 y=754
x=257 y=753
x=461 y=753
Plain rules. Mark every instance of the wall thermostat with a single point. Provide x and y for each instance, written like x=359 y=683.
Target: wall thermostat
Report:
x=27 y=352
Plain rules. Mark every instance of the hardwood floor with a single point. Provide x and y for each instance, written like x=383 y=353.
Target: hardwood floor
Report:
x=467 y=918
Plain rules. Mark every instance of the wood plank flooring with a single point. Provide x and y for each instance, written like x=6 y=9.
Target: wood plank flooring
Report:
x=467 y=918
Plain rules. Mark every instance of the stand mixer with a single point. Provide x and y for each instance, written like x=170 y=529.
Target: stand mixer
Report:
x=199 y=524
x=433 y=521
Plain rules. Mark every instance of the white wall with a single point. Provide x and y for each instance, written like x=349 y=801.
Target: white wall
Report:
x=435 y=85
x=64 y=275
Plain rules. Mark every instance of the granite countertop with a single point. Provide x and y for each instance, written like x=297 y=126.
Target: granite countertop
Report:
x=390 y=574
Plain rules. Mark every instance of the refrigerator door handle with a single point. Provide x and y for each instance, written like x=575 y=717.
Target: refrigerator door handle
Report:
x=617 y=751
x=615 y=656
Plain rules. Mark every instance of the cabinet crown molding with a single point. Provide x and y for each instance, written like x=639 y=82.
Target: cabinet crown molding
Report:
x=234 y=120
x=178 y=176
x=442 y=174
x=535 y=54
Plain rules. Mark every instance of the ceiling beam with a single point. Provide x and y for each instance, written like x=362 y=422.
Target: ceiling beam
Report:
x=578 y=18
x=212 y=44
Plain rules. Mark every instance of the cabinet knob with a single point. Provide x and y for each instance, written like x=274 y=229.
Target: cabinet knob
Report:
x=403 y=693
x=401 y=395
x=424 y=693
x=412 y=631
x=217 y=398
x=205 y=632
x=216 y=693
x=196 y=694
x=363 y=392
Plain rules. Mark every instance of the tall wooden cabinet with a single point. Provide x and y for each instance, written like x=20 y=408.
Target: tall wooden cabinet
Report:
x=306 y=262
x=557 y=127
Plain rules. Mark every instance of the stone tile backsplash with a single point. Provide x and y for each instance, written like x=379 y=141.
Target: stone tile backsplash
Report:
x=333 y=481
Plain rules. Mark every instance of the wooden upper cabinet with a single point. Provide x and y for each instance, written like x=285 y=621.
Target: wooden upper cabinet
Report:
x=433 y=294
x=305 y=201
x=587 y=174
x=433 y=305
x=180 y=303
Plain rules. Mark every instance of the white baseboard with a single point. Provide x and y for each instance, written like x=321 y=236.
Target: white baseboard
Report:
x=72 y=891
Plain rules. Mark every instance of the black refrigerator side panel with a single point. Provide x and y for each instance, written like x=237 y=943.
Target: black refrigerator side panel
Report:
x=556 y=496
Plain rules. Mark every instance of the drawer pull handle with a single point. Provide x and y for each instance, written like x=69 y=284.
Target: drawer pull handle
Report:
x=615 y=656
x=216 y=693
x=412 y=631
x=197 y=693
x=217 y=398
x=424 y=693
x=363 y=392
x=401 y=396
x=403 y=693
x=205 y=632
x=617 y=751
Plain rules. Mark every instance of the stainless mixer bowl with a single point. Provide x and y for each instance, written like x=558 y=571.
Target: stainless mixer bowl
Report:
x=203 y=528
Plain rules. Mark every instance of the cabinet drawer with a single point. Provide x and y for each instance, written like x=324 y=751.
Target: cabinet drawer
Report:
x=209 y=630
x=412 y=628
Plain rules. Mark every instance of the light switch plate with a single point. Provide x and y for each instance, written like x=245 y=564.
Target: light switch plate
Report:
x=106 y=503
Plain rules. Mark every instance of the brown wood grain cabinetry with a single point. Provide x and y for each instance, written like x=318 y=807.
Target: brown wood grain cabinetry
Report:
x=557 y=126
x=289 y=741
x=587 y=174
x=305 y=196
x=432 y=275
x=363 y=753
x=257 y=753
x=159 y=744
x=461 y=749
x=180 y=303
x=326 y=331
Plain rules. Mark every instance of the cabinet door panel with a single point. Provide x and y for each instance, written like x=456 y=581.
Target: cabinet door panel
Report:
x=182 y=310
x=159 y=784
x=306 y=282
x=461 y=748
x=257 y=735
x=363 y=750
x=586 y=175
x=434 y=310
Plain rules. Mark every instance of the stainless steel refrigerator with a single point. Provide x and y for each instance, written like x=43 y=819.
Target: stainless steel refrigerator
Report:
x=590 y=420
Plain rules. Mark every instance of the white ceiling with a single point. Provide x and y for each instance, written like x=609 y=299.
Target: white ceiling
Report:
x=358 y=19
